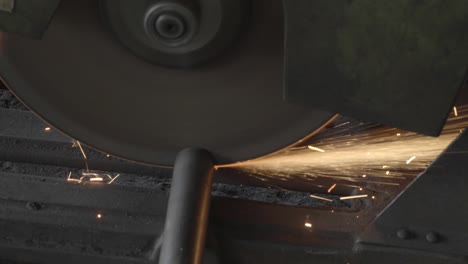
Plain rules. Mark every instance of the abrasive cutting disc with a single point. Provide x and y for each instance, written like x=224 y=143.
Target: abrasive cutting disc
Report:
x=85 y=79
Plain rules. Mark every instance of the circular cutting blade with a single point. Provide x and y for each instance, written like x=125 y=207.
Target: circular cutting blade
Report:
x=83 y=81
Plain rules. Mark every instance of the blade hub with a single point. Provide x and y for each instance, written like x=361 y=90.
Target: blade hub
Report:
x=170 y=24
x=170 y=27
x=177 y=33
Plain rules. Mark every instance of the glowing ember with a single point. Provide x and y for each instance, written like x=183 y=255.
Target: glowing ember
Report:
x=347 y=156
x=77 y=143
x=81 y=149
x=315 y=148
x=321 y=198
x=92 y=177
x=358 y=156
x=354 y=197
x=410 y=160
x=96 y=179
x=353 y=150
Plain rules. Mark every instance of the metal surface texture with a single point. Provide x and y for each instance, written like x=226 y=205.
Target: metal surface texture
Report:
x=231 y=106
x=432 y=211
x=385 y=61
x=188 y=208
x=65 y=227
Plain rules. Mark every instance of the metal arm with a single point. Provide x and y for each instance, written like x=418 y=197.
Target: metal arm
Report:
x=188 y=208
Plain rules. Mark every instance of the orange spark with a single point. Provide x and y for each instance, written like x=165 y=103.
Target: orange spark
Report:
x=353 y=197
x=321 y=198
x=315 y=148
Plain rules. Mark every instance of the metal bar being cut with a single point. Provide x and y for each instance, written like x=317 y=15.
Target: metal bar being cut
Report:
x=188 y=208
